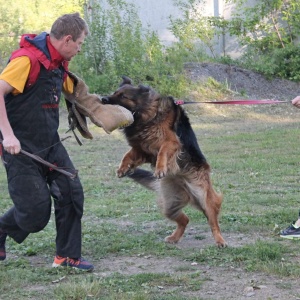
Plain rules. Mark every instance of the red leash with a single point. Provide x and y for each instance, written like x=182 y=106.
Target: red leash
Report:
x=240 y=102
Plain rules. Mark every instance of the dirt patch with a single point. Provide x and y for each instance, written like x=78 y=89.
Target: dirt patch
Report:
x=215 y=282
x=244 y=82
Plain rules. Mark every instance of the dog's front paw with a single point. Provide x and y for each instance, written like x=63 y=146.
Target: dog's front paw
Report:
x=221 y=243
x=160 y=173
x=171 y=239
x=123 y=171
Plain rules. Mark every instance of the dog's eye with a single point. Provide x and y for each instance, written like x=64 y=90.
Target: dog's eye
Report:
x=124 y=97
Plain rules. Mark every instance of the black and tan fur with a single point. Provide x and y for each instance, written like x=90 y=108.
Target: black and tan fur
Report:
x=161 y=135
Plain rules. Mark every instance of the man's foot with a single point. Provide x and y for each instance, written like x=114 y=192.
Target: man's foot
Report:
x=292 y=232
x=3 y=236
x=75 y=263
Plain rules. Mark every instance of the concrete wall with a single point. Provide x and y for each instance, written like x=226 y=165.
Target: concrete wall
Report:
x=156 y=13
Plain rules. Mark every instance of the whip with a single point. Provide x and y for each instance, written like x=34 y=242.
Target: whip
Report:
x=46 y=163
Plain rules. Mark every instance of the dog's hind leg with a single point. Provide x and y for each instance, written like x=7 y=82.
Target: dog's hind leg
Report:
x=206 y=200
x=212 y=210
x=182 y=220
x=209 y=202
x=174 y=198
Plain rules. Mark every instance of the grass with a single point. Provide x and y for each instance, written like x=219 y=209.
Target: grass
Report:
x=254 y=154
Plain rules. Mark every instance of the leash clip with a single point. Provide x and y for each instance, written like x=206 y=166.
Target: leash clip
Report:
x=179 y=102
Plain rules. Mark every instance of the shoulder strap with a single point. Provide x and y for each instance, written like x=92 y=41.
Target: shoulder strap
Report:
x=34 y=62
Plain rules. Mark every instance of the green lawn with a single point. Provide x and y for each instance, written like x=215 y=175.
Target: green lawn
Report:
x=254 y=156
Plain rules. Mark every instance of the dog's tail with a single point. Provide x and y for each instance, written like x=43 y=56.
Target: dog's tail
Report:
x=145 y=178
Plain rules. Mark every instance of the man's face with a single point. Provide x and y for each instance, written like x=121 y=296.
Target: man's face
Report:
x=71 y=48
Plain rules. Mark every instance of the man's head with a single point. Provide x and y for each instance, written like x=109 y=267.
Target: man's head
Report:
x=68 y=33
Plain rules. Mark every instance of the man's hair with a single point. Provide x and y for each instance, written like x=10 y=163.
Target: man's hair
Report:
x=69 y=24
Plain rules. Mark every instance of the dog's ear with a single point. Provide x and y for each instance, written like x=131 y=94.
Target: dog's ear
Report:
x=126 y=80
x=144 y=88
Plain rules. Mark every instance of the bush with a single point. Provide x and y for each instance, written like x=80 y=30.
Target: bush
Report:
x=282 y=63
x=118 y=45
x=287 y=62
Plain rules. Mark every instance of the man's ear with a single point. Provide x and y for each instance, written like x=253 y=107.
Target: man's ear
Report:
x=68 y=38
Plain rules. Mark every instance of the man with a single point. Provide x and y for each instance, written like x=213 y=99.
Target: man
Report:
x=30 y=90
x=293 y=231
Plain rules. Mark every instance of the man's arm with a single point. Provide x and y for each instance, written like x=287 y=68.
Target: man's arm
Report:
x=10 y=143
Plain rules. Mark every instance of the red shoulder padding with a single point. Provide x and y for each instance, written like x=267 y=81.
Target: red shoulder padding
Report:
x=35 y=64
x=36 y=56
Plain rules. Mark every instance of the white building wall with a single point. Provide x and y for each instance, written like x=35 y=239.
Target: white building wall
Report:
x=155 y=14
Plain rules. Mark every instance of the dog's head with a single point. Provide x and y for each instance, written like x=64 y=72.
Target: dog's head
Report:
x=137 y=99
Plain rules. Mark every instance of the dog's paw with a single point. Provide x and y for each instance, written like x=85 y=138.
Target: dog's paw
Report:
x=171 y=239
x=160 y=173
x=221 y=244
x=120 y=174
x=123 y=172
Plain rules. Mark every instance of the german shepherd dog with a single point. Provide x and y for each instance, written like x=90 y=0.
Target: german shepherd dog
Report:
x=162 y=136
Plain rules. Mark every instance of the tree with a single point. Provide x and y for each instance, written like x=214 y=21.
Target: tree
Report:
x=267 y=25
x=193 y=26
x=23 y=16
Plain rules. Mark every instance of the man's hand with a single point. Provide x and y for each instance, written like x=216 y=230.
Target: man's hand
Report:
x=11 y=144
x=296 y=101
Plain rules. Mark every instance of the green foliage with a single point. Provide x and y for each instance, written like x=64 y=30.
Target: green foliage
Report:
x=282 y=63
x=22 y=16
x=118 y=45
x=266 y=25
x=193 y=26
x=269 y=30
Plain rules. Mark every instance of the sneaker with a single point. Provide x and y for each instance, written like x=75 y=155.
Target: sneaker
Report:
x=291 y=232
x=3 y=236
x=75 y=263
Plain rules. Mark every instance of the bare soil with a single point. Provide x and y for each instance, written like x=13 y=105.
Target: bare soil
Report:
x=243 y=81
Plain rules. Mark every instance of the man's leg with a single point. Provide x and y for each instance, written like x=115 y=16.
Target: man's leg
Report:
x=68 y=202
x=32 y=203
